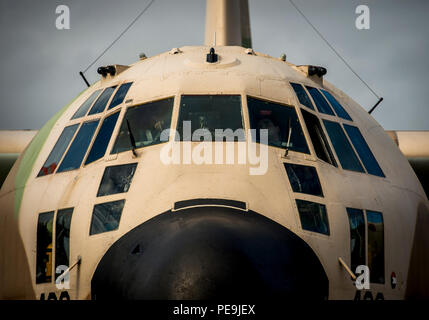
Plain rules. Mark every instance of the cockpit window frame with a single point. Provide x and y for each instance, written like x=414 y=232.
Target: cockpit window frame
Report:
x=314 y=107
x=337 y=109
x=75 y=129
x=127 y=85
x=242 y=115
x=100 y=117
x=115 y=135
x=286 y=105
x=320 y=107
x=295 y=86
x=108 y=115
x=107 y=94
x=116 y=85
x=363 y=151
x=342 y=121
x=343 y=159
x=96 y=122
x=92 y=98
x=329 y=150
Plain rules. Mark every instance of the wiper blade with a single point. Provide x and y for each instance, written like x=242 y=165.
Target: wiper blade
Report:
x=132 y=140
x=288 y=138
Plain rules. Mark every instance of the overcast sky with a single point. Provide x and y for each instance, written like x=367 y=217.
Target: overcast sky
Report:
x=40 y=64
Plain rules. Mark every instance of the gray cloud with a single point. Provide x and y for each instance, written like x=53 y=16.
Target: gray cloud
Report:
x=40 y=64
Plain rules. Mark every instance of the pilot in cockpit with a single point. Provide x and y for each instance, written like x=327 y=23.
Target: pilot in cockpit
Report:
x=274 y=136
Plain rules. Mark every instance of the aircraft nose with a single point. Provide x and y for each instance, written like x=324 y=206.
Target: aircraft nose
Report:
x=209 y=253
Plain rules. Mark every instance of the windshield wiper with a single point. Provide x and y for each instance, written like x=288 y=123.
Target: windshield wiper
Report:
x=132 y=140
x=288 y=138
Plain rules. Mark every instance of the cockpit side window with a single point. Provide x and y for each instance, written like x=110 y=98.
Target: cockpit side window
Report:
x=57 y=152
x=62 y=237
x=119 y=96
x=304 y=179
x=375 y=246
x=339 y=110
x=144 y=123
x=100 y=104
x=106 y=217
x=116 y=179
x=86 y=105
x=321 y=104
x=313 y=216
x=79 y=146
x=317 y=136
x=345 y=153
x=357 y=237
x=364 y=151
x=102 y=140
x=281 y=121
x=210 y=118
x=302 y=95
x=44 y=247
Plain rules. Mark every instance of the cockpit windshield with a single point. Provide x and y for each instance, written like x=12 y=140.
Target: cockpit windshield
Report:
x=210 y=117
x=143 y=125
x=281 y=121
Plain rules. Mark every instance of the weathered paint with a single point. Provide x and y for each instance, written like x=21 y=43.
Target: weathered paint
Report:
x=30 y=155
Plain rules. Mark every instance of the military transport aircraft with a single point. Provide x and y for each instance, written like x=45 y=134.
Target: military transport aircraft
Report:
x=131 y=192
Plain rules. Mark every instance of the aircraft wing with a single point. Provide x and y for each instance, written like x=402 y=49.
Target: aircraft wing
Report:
x=12 y=143
x=415 y=147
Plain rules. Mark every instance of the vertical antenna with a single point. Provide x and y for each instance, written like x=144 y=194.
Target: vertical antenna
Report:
x=376 y=105
x=214 y=39
x=84 y=79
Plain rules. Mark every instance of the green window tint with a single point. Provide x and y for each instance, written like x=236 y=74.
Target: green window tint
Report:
x=101 y=142
x=210 y=117
x=302 y=95
x=321 y=104
x=44 y=247
x=281 y=121
x=116 y=179
x=357 y=237
x=342 y=146
x=313 y=216
x=318 y=138
x=119 y=96
x=62 y=237
x=145 y=122
x=375 y=246
x=78 y=148
x=86 y=105
x=58 y=151
x=363 y=151
x=100 y=104
x=304 y=179
x=106 y=217
x=339 y=110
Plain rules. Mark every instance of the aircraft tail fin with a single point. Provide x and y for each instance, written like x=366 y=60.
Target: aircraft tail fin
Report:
x=228 y=23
